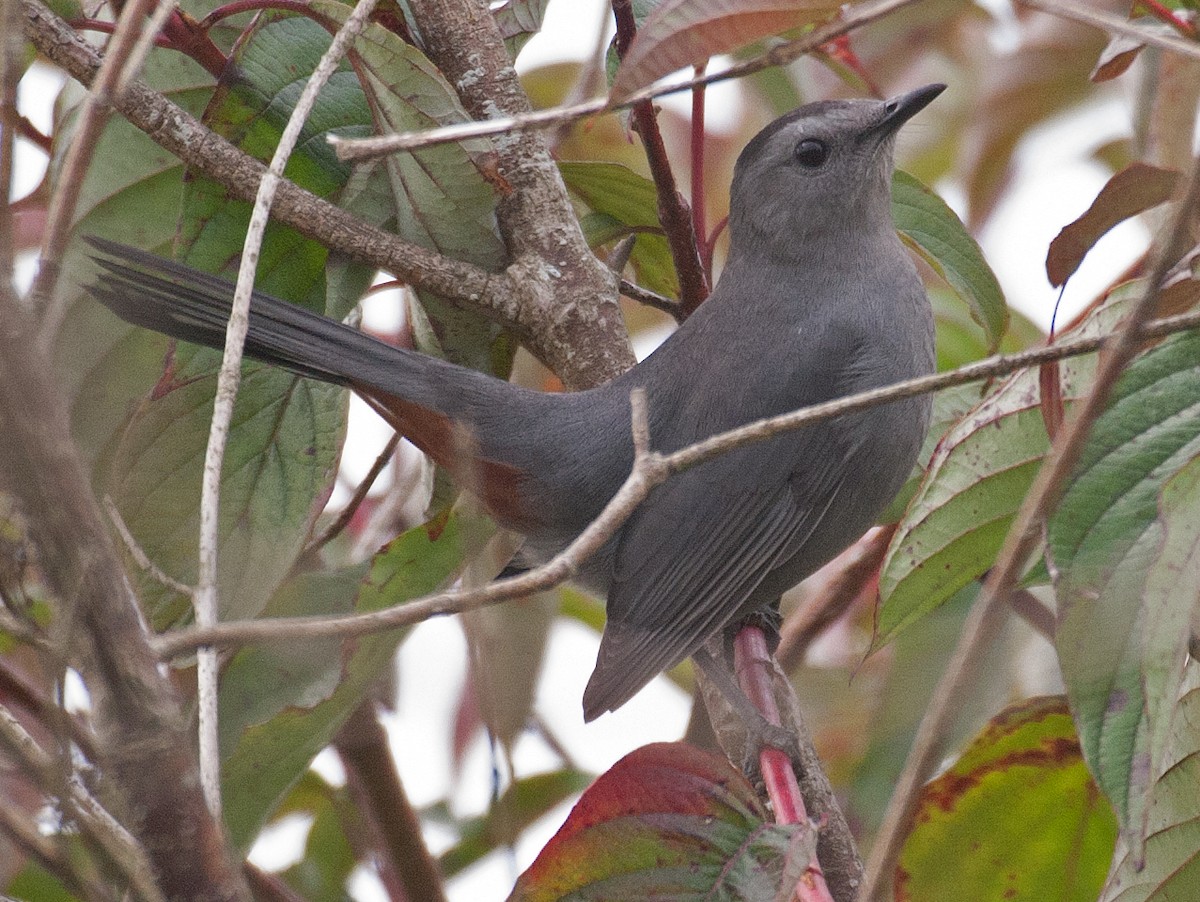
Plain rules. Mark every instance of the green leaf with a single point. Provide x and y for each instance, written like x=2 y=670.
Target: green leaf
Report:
x=1017 y=817
x=982 y=468
x=329 y=859
x=250 y=107
x=526 y=800
x=955 y=524
x=628 y=203
x=269 y=741
x=938 y=235
x=1105 y=540
x=1169 y=869
x=668 y=821
x=286 y=437
x=130 y=195
x=438 y=197
x=519 y=20
x=1172 y=596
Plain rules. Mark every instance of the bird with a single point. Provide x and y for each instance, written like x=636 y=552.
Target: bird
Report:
x=818 y=299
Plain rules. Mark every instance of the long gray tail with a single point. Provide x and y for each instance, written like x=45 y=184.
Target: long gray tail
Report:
x=182 y=302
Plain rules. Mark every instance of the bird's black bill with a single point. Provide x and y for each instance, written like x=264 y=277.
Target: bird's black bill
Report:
x=902 y=108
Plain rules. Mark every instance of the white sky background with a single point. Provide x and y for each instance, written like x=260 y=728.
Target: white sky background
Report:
x=1054 y=183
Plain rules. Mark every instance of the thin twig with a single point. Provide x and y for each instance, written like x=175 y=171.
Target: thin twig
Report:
x=780 y=55
x=673 y=210
x=1113 y=24
x=834 y=589
x=650 y=298
x=139 y=554
x=92 y=116
x=121 y=848
x=990 y=608
x=22 y=833
x=649 y=470
x=228 y=378
x=141 y=49
x=17 y=689
x=11 y=68
x=360 y=494
x=1030 y=608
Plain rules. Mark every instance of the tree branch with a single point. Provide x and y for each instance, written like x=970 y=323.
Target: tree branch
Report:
x=780 y=55
x=143 y=736
x=563 y=289
x=1113 y=24
x=503 y=297
x=372 y=779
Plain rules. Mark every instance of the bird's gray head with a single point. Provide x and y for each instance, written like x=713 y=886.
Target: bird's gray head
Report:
x=821 y=172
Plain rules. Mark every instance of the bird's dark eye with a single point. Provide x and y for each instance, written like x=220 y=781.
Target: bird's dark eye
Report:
x=811 y=153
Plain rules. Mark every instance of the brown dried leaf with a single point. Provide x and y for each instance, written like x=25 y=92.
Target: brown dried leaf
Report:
x=1133 y=190
x=1116 y=58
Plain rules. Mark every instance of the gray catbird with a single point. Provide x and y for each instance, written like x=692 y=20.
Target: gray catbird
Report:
x=818 y=299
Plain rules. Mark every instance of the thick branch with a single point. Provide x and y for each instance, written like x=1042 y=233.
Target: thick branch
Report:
x=372 y=779
x=564 y=287
x=502 y=297
x=144 y=743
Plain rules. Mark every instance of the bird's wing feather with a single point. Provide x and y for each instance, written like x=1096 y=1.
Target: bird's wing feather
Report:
x=695 y=552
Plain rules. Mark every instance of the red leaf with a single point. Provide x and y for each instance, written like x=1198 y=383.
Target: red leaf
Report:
x=1052 y=400
x=1133 y=190
x=683 y=33
x=668 y=821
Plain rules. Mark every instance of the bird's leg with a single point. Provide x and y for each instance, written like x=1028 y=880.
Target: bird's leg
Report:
x=759 y=730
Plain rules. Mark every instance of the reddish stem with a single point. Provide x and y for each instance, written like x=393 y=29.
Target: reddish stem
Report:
x=188 y=37
x=752 y=662
x=243 y=6
x=1165 y=14
x=673 y=210
x=104 y=27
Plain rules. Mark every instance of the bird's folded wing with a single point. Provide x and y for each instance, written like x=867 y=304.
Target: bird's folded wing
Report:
x=694 y=553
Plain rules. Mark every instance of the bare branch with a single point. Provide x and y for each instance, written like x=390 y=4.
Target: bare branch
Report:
x=1113 y=24
x=138 y=553
x=342 y=520
x=780 y=55
x=651 y=299
x=98 y=824
x=143 y=736
x=204 y=601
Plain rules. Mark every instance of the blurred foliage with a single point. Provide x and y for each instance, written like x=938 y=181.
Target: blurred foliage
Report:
x=1044 y=788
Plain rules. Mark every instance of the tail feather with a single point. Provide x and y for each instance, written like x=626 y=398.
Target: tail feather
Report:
x=423 y=397
x=184 y=303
